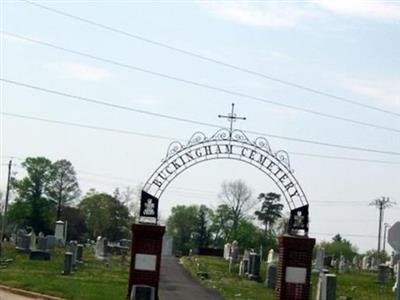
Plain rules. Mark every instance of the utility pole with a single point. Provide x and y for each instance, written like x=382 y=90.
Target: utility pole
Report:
x=3 y=224
x=381 y=203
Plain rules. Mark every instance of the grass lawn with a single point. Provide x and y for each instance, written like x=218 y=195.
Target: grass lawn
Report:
x=357 y=285
x=93 y=280
x=96 y=280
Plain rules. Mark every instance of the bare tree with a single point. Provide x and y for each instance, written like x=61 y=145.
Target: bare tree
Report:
x=237 y=196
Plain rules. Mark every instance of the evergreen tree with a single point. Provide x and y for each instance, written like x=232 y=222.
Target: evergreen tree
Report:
x=271 y=210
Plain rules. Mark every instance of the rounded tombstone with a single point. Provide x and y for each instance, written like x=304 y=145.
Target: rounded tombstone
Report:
x=394 y=236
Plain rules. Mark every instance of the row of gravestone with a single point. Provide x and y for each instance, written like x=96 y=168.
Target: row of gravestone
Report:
x=38 y=247
x=327 y=282
x=73 y=257
x=250 y=263
x=365 y=263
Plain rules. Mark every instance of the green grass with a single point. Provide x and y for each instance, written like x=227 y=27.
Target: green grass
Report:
x=93 y=280
x=357 y=285
x=229 y=285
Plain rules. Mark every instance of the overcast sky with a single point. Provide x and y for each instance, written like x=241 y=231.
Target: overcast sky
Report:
x=349 y=49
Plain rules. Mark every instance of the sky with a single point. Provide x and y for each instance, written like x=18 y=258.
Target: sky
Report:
x=347 y=49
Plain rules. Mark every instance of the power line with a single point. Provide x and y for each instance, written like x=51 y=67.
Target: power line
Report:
x=345 y=234
x=181 y=120
x=193 y=193
x=343 y=158
x=206 y=86
x=213 y=60
x=123 y=131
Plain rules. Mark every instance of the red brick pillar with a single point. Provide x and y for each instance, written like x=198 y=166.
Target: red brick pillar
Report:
x=146 y=256
x=294 y=268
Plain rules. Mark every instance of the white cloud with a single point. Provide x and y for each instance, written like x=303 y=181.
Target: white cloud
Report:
x=386 y=91
x=79 y=71
x=287 y=14
x=259 y=14
x=376 y=9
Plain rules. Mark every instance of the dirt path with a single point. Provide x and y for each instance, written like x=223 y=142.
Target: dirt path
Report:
x=9 y=293
x=4 y=295
x=177 y=284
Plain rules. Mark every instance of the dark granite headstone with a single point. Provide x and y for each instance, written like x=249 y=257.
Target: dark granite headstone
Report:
x=211 y=252
x=39 y=255
x=67 y=263
x=271 y=276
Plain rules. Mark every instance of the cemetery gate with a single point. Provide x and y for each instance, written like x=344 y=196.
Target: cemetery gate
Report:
x=233 y=144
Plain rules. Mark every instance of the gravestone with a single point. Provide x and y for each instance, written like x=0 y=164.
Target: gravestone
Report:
x=356 y=262
x=235 y=251
x=227 y=251
x=60 y=232
x=101 y=251
x=13 y=238
x=383 y=274
x=246 y=261
x=23 y=244
x=365 y=263
x=39 y=255
x=20 y=233
x=326 y=287
x=271 y=276
x=342 y=264
x=255 y=261
x=42 y=244
x=241 y=269
x=33 y=240
x=67 y=263
x=79 y=254
x=42 y=252
x=125 y=243
x=271 y=258
x=373 y=265
x=51 y=242
x=319 y=264
x=73 y=248
x=327 y=261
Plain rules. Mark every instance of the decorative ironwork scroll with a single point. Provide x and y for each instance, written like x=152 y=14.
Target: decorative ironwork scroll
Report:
x=228 y=144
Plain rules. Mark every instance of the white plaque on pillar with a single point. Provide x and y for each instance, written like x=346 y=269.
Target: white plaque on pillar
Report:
x=296 y=275
x=145 y=262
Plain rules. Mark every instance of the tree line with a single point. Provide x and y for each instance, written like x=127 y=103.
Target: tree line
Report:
x=198 y=226
x=50 y=192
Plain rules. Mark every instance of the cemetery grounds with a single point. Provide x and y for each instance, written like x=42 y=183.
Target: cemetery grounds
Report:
x=108 y=280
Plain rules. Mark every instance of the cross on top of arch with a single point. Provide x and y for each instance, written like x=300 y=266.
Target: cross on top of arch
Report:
x=231 y=117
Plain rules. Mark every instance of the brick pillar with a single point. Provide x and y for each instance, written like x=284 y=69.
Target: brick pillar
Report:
x=146 y=247
x=294 y=268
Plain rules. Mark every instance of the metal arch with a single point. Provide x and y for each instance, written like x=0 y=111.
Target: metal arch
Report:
x=289 y=201
x=223 y=138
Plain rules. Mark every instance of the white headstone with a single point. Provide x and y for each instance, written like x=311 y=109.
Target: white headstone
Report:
x=100 y=249
x=365 y=262
x=342 y=264
x=59 y=231
x=235 y=251
x=227 y=251
x=319 y=264
x=271 y=258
